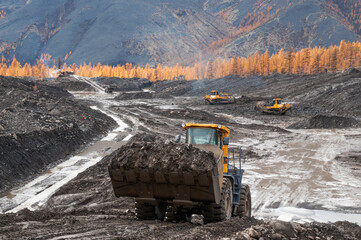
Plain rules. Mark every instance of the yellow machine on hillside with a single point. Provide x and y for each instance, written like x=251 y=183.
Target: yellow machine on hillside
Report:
x=217 y=97
x=276 y=107
x=216 y=193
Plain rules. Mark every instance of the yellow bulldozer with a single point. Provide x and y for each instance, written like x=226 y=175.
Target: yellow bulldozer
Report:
x=216 y=97
x=217 y=193
x=276 y=107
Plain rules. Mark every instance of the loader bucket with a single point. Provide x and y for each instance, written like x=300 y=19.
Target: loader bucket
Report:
x=177 y=186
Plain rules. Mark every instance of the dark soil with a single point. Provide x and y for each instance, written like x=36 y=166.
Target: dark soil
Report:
x=323 y=121
x=311 y=95
x=87 y=208
x=124 y=84
x=135 y=95
x=162 y=155
x=71 y=84
x=38 y=127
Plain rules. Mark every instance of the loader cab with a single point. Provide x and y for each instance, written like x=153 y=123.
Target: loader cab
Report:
x=277 y=101
x=204 y=136
x=214 y=93
x=274 y=102
x=209 y=134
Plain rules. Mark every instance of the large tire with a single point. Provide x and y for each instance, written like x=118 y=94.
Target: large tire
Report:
x=244 y=208
x=146 y=211
x=213 y=212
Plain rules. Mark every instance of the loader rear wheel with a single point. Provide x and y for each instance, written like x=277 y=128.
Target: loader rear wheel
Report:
x=244 y=208
x=213 y=212
x=146 y=211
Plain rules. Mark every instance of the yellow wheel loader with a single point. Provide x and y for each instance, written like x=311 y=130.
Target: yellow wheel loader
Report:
x=217 y=194
x=216 y=97
x=276 y=107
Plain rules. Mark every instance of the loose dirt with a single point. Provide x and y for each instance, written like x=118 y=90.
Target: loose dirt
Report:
x=41 y=124
x=323 y=121
x=162 y=155
x=135 y=95
x=124 y=84
x=71 y=84
x=283 y=167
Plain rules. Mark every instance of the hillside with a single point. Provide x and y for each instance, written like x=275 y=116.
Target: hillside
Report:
x=169 y=32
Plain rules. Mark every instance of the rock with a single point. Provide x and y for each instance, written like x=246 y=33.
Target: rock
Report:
x=283 y=227
x=242 y=236
x=2 y=128
x=253 y=233
x=277 y=236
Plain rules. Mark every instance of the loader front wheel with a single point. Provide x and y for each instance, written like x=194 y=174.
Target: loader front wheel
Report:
x=213 y=212
x=244 y=208
x=146 y=211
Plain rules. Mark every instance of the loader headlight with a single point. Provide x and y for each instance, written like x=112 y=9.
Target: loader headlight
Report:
x=183 y=125
x=219 y=126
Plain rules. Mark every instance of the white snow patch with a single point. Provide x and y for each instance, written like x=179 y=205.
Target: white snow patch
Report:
x=128 y=137
x=168 y=107
x=303 y=215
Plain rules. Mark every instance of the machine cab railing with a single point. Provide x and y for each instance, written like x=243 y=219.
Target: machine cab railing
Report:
x=234 y=160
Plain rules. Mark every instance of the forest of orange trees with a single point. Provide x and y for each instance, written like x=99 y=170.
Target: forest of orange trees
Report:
x=306 y=61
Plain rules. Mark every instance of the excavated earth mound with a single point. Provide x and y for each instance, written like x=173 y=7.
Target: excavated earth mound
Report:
x=326 y=122
x=135 y=95
x=40 y=125
x=71 y=84
x=162 y=155
x=124 y=84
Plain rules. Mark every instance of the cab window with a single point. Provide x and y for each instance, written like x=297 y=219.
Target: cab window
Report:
x=202 y=136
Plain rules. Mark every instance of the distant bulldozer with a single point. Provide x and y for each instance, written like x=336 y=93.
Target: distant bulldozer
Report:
x=218 y=98
x=276 y=107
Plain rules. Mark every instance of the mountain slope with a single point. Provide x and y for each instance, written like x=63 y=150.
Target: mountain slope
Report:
x=299 y=24
x=169 y=31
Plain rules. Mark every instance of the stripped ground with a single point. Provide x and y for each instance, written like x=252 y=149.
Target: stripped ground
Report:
x=295 y=175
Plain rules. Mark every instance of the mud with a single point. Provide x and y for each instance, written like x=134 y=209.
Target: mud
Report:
x=40 y=126
x=284 y=167
x=162 y=155
x=323 y=121
x=87 y=208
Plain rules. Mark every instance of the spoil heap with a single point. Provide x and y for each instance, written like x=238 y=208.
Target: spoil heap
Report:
x=134 y=95
x=40 y=124
x=326 y=122
x=158 y=154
